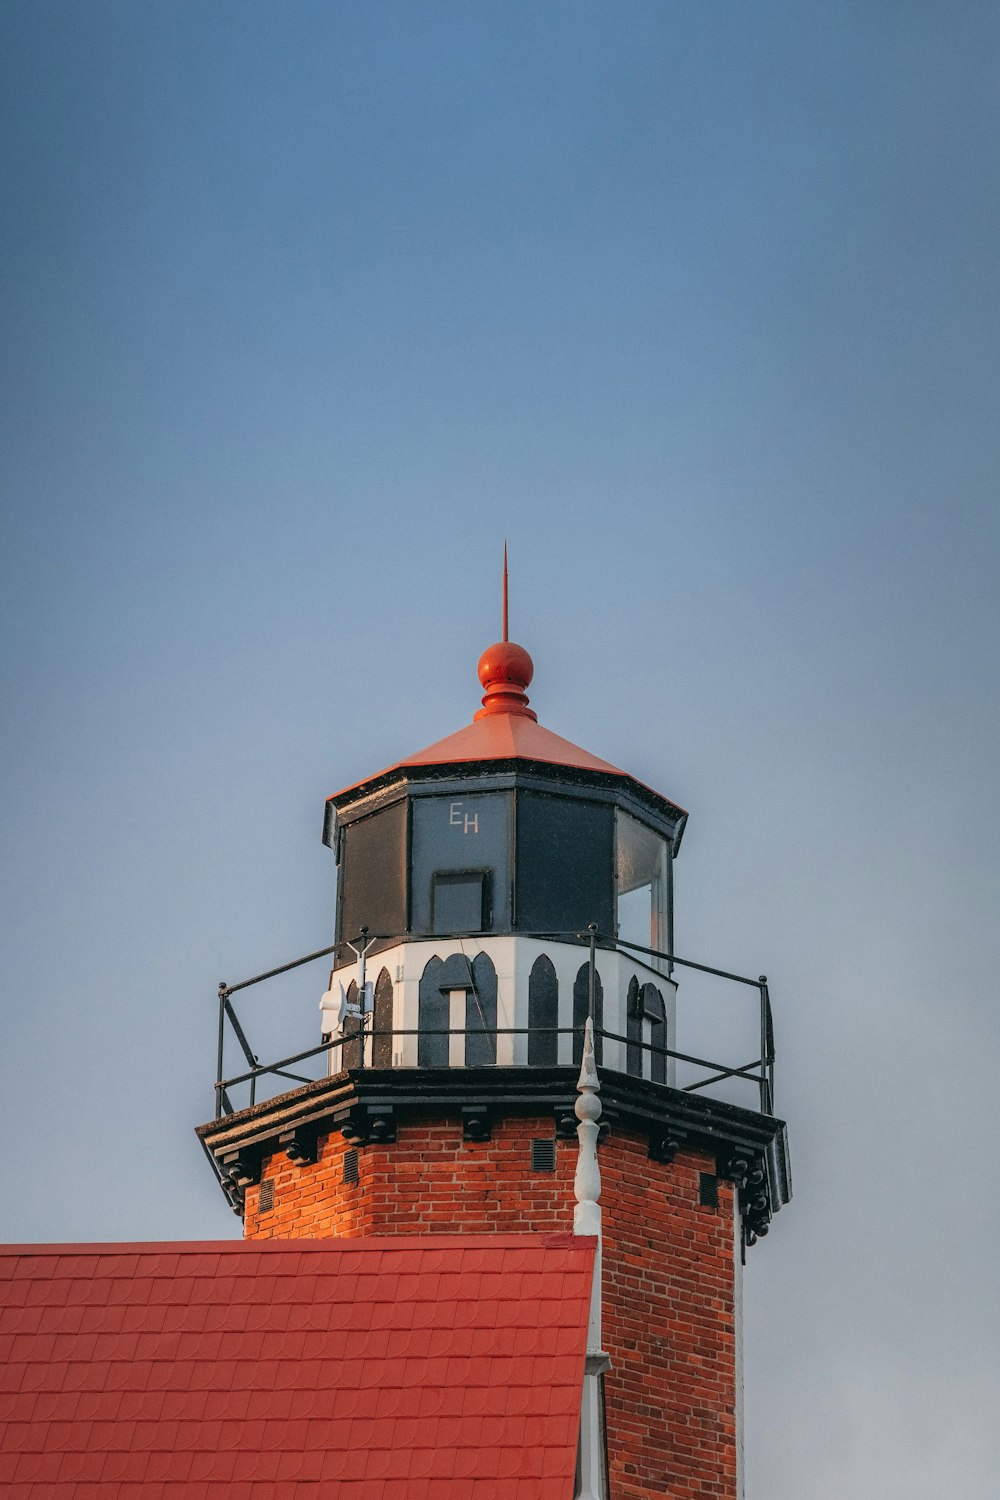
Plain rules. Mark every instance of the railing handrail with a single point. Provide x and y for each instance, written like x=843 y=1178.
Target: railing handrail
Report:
x=594 y=941
x=354 y=1037
x=604 y=942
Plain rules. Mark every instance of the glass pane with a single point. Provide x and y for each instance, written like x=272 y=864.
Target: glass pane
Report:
x=565 y=863
x=641 y=871
x=460 y=835
x=458 y=902
x=373 y=874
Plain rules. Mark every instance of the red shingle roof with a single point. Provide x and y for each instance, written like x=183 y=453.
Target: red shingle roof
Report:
x=498 y=737
x=509 y=736
x=426 y=1368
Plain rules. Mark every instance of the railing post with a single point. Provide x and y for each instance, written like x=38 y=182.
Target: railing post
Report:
x=219 y=1075
x=769 y=1027
x=362 y=980
x=765 y=1090
x=592 y=975
x=670 y=910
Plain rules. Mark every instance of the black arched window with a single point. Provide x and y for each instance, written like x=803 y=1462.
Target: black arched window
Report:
x=653 y=1009
x=382 y=1022
x=481 y=1014
x=581 y=1007
x=439 y=979
x=633 y=1029
x=432 y=1017
x=350 y=1052
x=543 y=1013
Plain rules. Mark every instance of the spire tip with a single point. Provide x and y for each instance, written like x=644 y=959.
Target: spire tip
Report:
x=505 y=589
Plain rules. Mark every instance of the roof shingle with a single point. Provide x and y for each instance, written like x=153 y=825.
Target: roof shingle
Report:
x=294 y=1368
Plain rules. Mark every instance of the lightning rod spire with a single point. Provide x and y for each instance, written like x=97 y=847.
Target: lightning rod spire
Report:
x=505 y=589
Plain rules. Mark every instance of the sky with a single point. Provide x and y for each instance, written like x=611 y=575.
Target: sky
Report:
x=304 y=309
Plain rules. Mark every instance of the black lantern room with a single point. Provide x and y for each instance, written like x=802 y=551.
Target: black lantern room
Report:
x=505 y=833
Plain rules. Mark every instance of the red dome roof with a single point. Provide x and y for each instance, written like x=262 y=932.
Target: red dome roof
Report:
x=504 y=736
x=505 y=728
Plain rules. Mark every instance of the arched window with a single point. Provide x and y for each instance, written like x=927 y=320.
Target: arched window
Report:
x=441 y=977
x=581 y=1007
x=433 y=1016
x=543 y=1013
x=633 y=1029
x=382 y=1022
x=655 y=1012
x=350 y=1052
x=481 y=1014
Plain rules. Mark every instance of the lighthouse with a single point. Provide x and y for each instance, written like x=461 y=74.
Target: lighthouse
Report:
x=504 y=948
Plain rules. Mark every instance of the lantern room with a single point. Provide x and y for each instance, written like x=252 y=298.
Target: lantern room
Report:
x=470 y=873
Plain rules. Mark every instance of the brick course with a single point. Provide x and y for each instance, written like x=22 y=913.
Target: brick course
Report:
x=669 y=1296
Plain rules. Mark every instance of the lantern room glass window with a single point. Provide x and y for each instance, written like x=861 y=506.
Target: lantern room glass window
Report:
x=372 y=876
x=641 y=884
x=460 y=901
x=460 y=863
x=564 y=863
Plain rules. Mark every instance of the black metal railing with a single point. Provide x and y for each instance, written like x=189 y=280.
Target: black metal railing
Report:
x=759 y=1071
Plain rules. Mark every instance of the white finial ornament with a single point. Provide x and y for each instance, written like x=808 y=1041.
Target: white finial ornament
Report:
x=587 y=1183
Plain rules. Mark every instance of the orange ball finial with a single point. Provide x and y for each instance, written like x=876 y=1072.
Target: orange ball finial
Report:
x=505 y=670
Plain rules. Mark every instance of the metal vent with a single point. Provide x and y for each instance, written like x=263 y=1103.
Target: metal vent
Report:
x=543 y=1155
x=351 y=1165
x=708 y=1190
x=265 y=1198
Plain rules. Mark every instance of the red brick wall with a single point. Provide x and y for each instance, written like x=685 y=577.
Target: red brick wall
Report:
x=669 y=1314
x=669 y=1326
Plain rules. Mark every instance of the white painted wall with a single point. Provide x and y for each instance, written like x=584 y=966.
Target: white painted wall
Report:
x=512 y=957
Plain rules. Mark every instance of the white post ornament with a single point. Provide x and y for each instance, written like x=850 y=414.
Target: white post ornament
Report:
x=587 y=1183
x=591 y=1476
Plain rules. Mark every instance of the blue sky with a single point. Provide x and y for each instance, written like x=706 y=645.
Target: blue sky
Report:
x=304 y=308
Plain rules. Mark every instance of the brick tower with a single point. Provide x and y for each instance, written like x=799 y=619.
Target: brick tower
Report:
x=495 y=890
